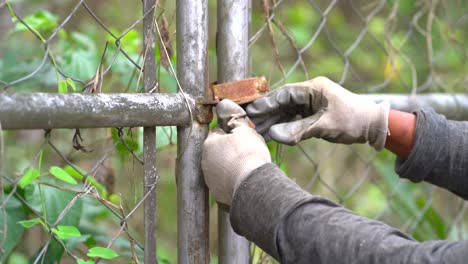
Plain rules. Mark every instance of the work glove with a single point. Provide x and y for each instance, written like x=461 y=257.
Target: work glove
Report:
x=319 y=108
x=228 y=158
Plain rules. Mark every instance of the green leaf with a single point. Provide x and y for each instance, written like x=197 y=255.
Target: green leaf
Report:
x=81 y=261
x=62 y=175
x=71 y=83
x=62 y=86
x=73 y=242
x=77 y=173
x=14 y=213
x=41 y=21
x=55 y=201
x=30 y=223
x=102 y=252
x=29 y=176
x=65 y=232
x=17 y=258
x=80 y=56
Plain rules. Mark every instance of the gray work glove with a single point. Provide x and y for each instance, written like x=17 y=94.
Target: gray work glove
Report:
x=325 y=109
x=228 y=158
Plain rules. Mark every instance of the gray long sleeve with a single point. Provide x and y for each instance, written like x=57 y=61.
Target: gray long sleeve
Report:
x=439 y=154
x=296 y=227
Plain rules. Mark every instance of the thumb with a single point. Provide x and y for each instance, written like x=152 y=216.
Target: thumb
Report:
x=228 y=113
x=292 y=132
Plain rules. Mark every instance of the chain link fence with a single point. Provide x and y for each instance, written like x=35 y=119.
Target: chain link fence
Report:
x=77 y=195
x=369 y=47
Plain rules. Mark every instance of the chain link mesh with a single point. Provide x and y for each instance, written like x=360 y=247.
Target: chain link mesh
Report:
x=408 y=47
x=90 y=179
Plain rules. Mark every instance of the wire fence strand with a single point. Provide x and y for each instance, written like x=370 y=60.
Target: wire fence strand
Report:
x=367 y=47
x=67 y=194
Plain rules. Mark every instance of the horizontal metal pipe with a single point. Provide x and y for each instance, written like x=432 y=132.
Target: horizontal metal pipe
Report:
x=47 y=111
x=453 y=106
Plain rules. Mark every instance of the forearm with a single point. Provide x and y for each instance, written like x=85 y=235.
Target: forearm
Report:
x=296 y=227
x=439 y=154
x=402 y=128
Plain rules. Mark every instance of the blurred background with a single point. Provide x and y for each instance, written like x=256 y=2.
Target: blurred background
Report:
x=411 y=47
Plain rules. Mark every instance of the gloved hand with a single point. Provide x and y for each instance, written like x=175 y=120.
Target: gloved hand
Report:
x=228 y=158
x=326 y=111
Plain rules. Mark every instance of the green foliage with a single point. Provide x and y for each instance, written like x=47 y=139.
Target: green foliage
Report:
x=66 y=232
x=79 y=173
x=41 y=22
x=62 y=175
x=64 y=85
x=16 y=258
x=81 y=261
x=102 y=252
x=30 y=223
x=80 y=55
x=28 y=177
x=375 y=202
x=77 y=51
x=51 y=202
x=409 y=203
x=14 y=213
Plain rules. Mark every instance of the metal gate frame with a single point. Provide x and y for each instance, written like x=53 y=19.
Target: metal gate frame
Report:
x=184 y=110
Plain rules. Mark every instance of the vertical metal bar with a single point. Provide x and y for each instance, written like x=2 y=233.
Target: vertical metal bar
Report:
x=149 y=134
x=192 y=194
x=233 y=64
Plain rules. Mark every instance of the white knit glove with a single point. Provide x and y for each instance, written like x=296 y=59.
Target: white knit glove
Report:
x=228 y=158
x=325 y=109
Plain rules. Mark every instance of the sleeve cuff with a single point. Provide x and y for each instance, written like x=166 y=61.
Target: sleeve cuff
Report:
x=431 y=129
x=257 y=209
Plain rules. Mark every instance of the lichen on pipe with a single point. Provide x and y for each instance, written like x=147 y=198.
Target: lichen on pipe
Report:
x=74 y=110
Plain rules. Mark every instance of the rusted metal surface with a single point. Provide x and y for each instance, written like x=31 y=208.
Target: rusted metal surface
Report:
x=242 y=91
x=204 y=112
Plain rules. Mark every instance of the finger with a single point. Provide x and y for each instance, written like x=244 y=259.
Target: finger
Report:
x=266 y=136
x=226 y=108
x=287 y=96
x=264 y=105
x=292 y=132
x=263 y=124
x=227 y=111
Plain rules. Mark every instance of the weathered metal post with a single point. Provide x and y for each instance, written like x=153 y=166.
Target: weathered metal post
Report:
x=233 y=64
x=149 y=134
x=192 y=194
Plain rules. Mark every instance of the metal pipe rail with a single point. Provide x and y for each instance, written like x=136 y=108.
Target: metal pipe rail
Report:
x=232 y=51
x=47 y=111
x=149 y=134
x=453 y=106
x=192 y=193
